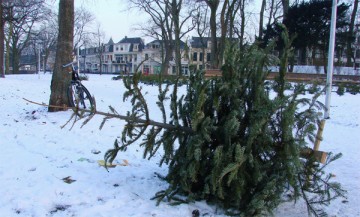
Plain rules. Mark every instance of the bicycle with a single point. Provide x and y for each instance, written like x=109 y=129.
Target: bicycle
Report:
x=79 y=97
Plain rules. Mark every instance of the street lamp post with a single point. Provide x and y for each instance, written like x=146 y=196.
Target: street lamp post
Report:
x=44 y=63
x=78 y=59
x=39 y=61
x=330 y=59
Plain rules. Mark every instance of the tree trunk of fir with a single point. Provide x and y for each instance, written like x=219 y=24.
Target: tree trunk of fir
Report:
x=2 y=37
x=61 y=78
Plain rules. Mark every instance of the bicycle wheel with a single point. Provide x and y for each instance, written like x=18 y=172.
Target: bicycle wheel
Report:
x=80 y=97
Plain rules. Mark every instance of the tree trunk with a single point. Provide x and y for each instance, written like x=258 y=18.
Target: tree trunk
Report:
x=261 y=24
x=15 y=60
x=175 y=10
x=213 y=8
x=350 y=36
x=2 y=38
x=61 y=78
x=7 y=44
x=285 y=5
x=242 y=28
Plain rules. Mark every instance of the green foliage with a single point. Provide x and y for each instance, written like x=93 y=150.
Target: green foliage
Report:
x=157 y=79
x=232 y=143
x=309 y=21
x=353 y=88
x=341 y=89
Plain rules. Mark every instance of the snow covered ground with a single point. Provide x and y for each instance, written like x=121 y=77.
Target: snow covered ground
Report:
x=38 y=156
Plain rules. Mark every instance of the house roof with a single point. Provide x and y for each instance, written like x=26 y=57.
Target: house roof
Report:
x=111 y=42
x=131 y=40
x=198 y=42
x=182 y=44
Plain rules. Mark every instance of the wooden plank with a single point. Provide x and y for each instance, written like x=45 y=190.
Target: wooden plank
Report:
x=320 y=156
x=213 y=73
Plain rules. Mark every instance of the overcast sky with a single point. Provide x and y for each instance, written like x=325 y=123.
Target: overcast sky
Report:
x=117 y=21
x=114 y=17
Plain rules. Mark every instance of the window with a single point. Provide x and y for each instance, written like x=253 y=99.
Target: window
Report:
x=146 y=56
x=195 y=56
x=157 y=69
x=208 y=57
x=201 y=57
x=185 y=70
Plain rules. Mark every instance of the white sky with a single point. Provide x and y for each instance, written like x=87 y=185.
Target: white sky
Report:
x=117 y=21
x=114 y=17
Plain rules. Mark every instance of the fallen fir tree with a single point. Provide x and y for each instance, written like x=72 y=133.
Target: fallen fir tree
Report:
x=234 y=141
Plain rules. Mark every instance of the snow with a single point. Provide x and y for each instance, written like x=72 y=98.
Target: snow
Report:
x=338 y=70
x=37 y=154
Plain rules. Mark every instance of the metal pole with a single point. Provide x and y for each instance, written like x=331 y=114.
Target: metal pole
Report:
x=44 y=63
x=4 y=65
x=39 y=63
x=78 y=60
x=330 y=65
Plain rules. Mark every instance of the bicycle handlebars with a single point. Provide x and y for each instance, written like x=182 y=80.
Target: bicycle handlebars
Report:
x=66 y=65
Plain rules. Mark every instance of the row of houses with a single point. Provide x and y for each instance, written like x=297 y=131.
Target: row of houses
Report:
x=129 y=54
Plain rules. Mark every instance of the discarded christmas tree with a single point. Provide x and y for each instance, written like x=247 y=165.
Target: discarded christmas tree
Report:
x=235 y=140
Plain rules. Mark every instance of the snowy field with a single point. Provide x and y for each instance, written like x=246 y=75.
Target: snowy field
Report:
x=39 y=159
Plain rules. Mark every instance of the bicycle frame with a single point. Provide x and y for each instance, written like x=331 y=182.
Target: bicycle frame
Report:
x=77 y=93
x=74 y=73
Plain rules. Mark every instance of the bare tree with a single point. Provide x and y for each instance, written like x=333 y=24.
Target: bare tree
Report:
x=261 y=23
x=167 y=23
x=273 y=11
x=228 y=14
x=2 y=38
x=22 y=16
x=213 y=5
x=159 y=27
x=350 y=35
x=60 y=78
x=82 y=32
x=176 y=8
x=99 y=44
x=227 y=17
x=48 y=34
x=202 y=26
x=285 y=5
x=4 y=17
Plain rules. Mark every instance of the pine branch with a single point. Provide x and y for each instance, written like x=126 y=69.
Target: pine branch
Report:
x=122 y=117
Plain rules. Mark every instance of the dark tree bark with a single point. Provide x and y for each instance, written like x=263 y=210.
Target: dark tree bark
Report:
x=61 y=77
x=213 y=5
x=2 y=37
x=175 y=11
x=261 y=24
x=285 y=5
x=350 y=36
